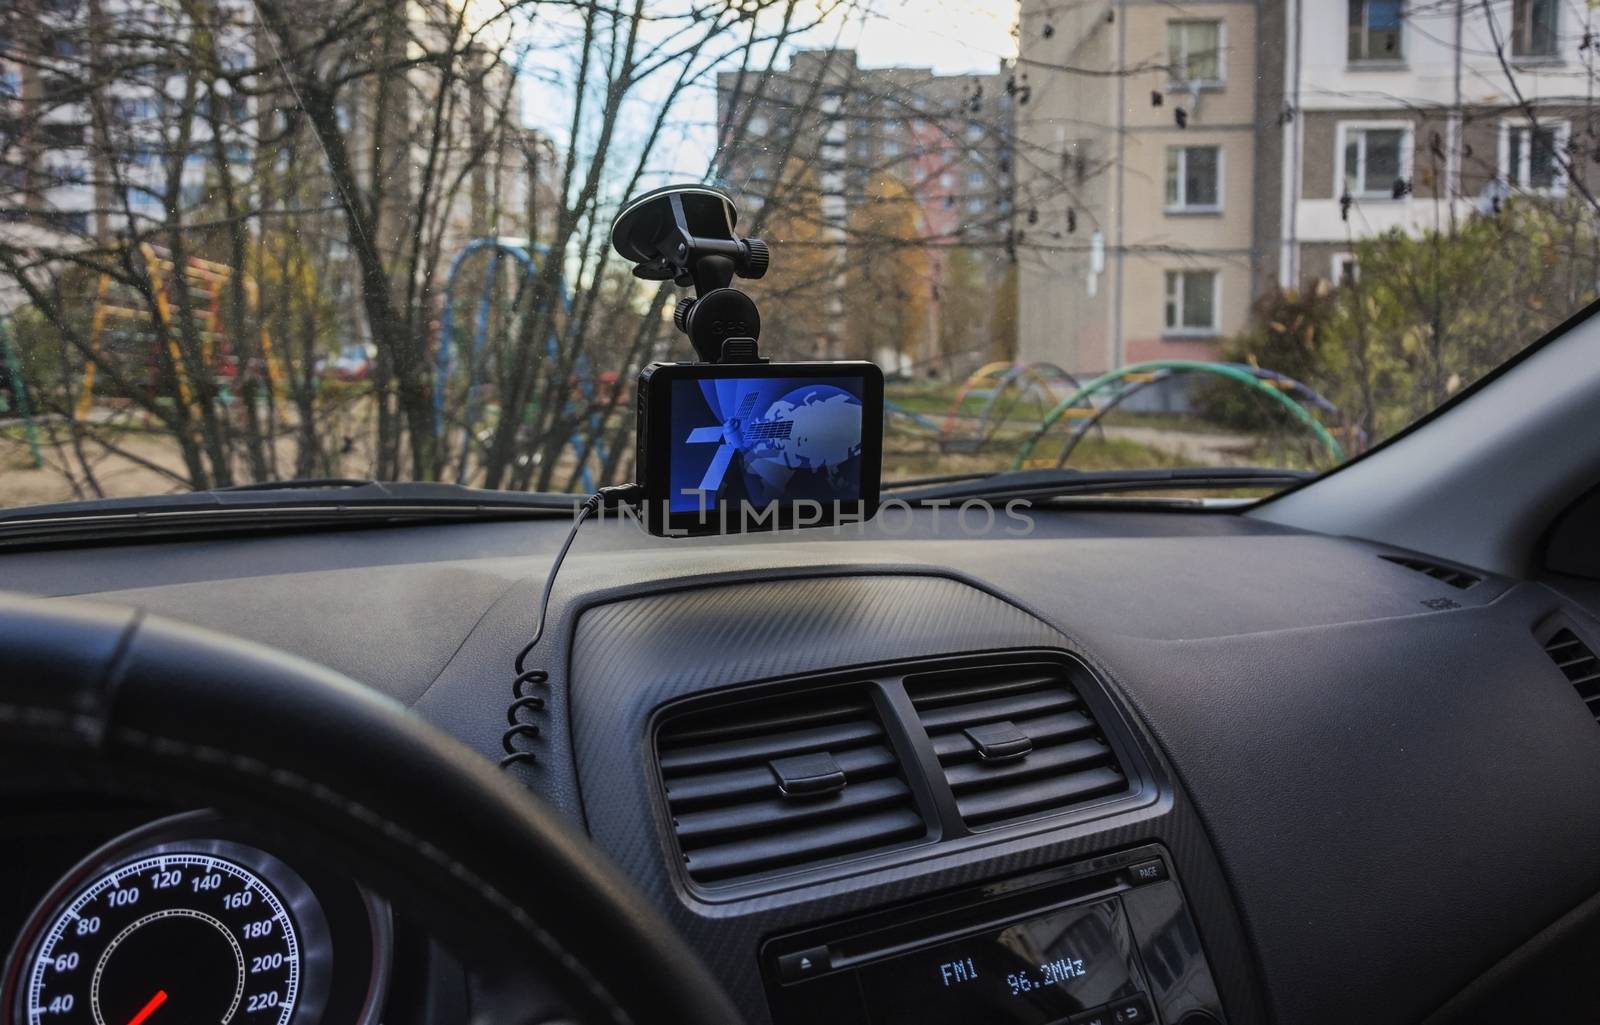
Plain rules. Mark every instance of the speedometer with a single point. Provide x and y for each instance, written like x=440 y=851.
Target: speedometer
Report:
x=180 y=937
x=189 y=921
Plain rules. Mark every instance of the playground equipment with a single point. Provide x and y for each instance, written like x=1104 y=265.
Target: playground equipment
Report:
x=991 y=382
x=525 y=257
x=1081 y=414
x=203 y=277
x=14 y=396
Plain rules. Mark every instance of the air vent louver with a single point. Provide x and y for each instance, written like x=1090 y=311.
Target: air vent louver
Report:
x=755 y=787
x=1578 y=662
x=1459 y=579
x=1015 y=742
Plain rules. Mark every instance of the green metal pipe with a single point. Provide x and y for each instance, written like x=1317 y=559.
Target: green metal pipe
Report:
x=1244 y=377
x=20 y=391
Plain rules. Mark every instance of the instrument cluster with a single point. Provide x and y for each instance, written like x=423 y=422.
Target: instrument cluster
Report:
x=192 y=919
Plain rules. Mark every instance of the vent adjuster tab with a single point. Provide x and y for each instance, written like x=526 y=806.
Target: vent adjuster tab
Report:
x=999 y=741
x=808 y=775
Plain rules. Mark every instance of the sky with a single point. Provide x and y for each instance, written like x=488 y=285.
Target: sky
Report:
x=950 y=36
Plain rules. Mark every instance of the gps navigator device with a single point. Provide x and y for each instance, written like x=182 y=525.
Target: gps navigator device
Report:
x=735 y=447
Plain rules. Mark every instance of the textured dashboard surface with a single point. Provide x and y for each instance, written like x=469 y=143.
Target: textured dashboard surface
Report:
x=1397 y=803
x=631 y=655
x=1399 y=785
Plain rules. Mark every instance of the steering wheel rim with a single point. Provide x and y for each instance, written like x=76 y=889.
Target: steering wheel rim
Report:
x=118 y=695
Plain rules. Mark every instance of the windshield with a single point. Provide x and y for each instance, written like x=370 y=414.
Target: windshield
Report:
x=266 y=240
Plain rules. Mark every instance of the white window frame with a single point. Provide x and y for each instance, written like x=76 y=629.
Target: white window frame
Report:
x=1182 y=330
x=1183 y=206
x=1511 y=34
x=1518 y=181
x=1398 y=59
x=1177 y=84
x=1337 y=265
x=1408 y=144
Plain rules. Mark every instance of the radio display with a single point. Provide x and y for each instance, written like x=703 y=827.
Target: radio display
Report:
x=1030 y=973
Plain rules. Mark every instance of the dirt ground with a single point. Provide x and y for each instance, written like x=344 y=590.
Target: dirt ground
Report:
x=147 y=463
x=60 y=480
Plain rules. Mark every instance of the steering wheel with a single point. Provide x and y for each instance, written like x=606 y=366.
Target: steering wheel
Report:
x=116 y=698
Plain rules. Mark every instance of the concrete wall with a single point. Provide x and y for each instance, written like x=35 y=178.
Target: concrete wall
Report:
x=1067 y=152
x=1273 y=124
x=1122 y=126
x=1157 y=240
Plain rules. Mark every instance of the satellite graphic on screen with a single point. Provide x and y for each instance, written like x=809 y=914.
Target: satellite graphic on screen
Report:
x=767 y=440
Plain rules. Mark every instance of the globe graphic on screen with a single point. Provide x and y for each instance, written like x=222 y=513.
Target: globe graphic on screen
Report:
x=814 y=460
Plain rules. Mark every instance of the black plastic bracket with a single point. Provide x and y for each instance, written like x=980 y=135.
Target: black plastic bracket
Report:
x=741 y=350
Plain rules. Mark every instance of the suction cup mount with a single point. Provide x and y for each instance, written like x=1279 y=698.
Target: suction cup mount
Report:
x=685 y=234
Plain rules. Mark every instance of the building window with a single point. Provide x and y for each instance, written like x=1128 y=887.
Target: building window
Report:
x=1344 y=269
x=975 y=205
x=62 y=47
x=61 y=135
x=1194 y=52
x=891 y=148
x=1533 y=28
x=758 y=126
x=974 y=132
x=1192 y=302
x=1530 y=156
x=975 y=180
x=1375 y=30
x=1194 y=178
x=1377 y=160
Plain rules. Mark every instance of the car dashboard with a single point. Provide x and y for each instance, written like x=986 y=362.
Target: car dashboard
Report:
x=1179 y=767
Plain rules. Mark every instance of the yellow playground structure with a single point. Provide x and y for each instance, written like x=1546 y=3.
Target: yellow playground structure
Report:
x=201 y=278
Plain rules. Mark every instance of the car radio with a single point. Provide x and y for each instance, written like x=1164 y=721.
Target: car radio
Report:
x=1105 y=942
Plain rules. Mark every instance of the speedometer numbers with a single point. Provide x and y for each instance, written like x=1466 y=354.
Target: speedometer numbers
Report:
x=172 y=938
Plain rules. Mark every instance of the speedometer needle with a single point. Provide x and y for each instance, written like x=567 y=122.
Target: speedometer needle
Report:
x=150 y=1008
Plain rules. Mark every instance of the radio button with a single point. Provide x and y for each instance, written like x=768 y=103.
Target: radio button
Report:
x=803 y=964
x=1099 y=1016
x=1132 y=1011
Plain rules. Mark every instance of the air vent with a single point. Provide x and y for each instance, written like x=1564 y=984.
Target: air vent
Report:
x=1015 y=742
x=765 y=786
x=1574 y=658
x=1456 y=578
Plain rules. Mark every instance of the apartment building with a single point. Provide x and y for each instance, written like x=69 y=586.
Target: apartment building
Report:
x=946 y=139
x=1137 y=179
x=53 y=153
x=66 y=173
x=1181 y=158
x=1404 y=116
